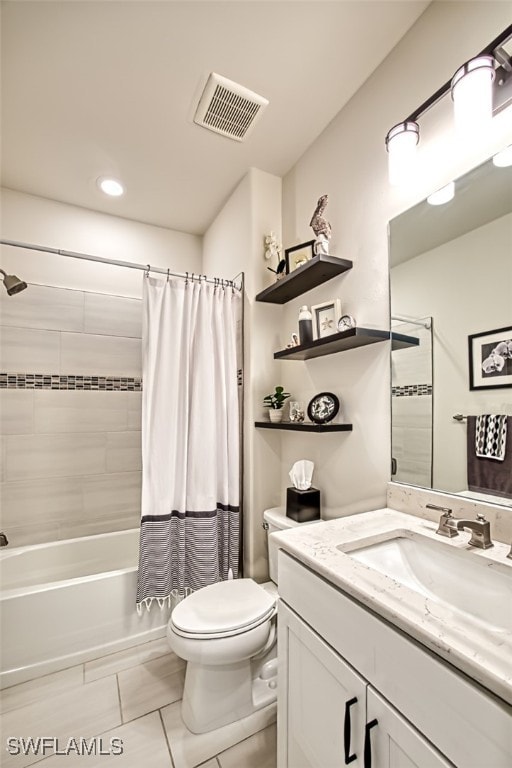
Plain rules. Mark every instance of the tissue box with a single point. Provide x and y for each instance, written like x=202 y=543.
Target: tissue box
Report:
x=303 y=506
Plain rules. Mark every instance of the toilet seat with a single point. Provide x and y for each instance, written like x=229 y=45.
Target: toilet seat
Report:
x=225 y=609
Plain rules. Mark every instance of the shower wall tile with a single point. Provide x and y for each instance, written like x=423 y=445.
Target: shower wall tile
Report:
x=100 y=355
x=412 y=411
x=112 y=496
x=113 y=315
x=28 y=349
x=80 y=411
x=76 y=529
x=23 y=535
x=3 y=456
x=414 y=473
x=31 y=456
x=124 y=451
x=16 y=412
x=414 y=364
x=70 y=414
x=134 y=400
x=36 y=501
x=42 y=306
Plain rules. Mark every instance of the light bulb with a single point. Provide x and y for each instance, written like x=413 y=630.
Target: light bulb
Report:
x=401 y=143
x=472 y=95
x=443 y=195
x=111 y=187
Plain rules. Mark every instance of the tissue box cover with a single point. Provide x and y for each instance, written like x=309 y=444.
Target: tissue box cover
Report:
x=303 y=506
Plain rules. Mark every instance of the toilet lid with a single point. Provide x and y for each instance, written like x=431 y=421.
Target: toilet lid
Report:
x=222 y=608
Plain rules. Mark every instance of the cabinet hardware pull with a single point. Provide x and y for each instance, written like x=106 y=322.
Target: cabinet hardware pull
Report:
x=347 y=729
x=368 y=743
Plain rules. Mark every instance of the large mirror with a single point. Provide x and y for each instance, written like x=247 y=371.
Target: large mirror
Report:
x=451 y=293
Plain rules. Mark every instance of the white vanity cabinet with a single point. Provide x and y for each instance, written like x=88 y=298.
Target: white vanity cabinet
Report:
x=333 y=717
x=355 y=691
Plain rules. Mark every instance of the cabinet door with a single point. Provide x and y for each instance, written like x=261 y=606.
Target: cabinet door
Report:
x=322 y=701
x=392 y=742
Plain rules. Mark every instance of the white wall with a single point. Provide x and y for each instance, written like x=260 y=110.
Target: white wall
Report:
x=234 y=242
x=35 y=220
x=348 y=162
x=449 y=283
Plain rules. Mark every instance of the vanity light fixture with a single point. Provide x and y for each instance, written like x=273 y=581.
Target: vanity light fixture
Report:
x=401 y=143
x=471 y=91
x=504 y=158
x=480 y=88
x=443 y=195
x=110 y=187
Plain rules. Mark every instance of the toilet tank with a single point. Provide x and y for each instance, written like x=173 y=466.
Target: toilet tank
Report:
x=275 y=520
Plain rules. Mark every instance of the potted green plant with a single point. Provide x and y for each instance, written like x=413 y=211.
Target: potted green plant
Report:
x=274 y=403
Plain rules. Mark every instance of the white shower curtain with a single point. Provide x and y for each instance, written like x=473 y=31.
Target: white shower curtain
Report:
x=190 y=439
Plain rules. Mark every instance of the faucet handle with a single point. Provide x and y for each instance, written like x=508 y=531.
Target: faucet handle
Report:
x=446 y=522
x=446 y=510
x=480 y=517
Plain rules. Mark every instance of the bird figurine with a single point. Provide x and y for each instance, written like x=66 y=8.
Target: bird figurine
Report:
x=319 y=223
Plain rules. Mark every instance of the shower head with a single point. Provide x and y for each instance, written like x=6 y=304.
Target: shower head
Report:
x=12 y=283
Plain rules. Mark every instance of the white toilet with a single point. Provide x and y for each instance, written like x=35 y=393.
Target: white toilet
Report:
x=227 y=634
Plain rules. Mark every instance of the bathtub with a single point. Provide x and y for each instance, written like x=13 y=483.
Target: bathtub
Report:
x=68 y=602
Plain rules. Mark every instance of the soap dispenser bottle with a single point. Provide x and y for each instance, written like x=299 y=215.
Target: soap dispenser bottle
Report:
x=305 y=326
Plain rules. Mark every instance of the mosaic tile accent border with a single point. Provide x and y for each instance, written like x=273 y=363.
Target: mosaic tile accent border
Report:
x=55 y=381
x=412 y=390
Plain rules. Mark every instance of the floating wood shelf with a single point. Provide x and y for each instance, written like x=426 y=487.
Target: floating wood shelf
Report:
x=304 y=426
x=340 y=342
x=314 y=272
x=400 y=341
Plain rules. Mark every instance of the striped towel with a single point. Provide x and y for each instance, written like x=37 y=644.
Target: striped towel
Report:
x=491 y=436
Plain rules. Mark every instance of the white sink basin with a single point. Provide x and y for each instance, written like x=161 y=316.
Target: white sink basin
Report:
x=458 y=579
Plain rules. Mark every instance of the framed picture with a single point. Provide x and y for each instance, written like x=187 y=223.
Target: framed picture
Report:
x=323 y=407
x=490 y=359
x=325 y=318
x=298 y=255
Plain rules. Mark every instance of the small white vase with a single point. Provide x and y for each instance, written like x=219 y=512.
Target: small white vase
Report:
x=275 y=415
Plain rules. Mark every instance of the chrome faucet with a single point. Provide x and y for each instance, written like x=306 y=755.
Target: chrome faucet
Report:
x=3 y=540
x=480 y=529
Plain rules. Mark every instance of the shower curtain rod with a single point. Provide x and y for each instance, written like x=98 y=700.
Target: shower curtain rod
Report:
x=424 y=323
x=131 y=265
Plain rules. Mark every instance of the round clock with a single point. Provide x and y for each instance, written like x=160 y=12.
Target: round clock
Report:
x=323 y=407
x=346 y=322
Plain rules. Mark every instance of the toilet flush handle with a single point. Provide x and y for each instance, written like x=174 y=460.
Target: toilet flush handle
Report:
x=265 y=525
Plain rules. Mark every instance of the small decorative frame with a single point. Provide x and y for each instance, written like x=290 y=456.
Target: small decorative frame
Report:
x=490 y=359
x=325 y=318
x=323 y=408
x=298 y=255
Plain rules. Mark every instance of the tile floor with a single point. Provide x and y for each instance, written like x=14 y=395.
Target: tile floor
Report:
x=133 y=695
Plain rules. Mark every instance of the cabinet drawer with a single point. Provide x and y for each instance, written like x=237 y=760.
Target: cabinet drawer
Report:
x=472 y=728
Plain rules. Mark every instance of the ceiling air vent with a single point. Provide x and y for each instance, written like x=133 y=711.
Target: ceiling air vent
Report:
x=228 y=108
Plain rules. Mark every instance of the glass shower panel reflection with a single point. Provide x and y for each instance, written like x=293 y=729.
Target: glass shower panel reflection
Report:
x=412 y=411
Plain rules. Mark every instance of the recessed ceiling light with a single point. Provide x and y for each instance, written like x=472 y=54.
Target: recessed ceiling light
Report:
x=503 y=158
x=111 y=187
x=443 y=195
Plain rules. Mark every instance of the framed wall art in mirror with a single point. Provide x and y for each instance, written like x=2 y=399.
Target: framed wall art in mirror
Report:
x=490 y=359
x=451 y=281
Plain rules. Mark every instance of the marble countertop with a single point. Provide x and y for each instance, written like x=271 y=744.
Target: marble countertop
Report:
x=483 y=652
